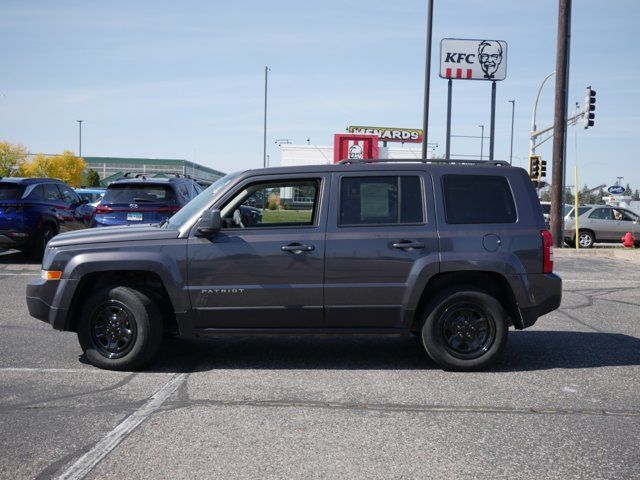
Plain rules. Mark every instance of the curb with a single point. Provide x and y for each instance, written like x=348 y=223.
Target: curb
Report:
x=631 y=255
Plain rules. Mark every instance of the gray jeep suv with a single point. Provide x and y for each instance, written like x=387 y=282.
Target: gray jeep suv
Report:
x=453 y=252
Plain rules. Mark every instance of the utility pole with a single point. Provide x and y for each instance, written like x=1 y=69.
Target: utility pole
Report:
x=560 y=121
x=80 y=137
x=427 y=81
x=513 y=109
x=264 y=140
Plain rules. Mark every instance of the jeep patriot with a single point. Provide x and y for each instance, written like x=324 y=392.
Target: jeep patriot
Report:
x=454 y=252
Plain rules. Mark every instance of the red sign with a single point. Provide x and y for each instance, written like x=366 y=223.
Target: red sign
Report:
x=348 y=146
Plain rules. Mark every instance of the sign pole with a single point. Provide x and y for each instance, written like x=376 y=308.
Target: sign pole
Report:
x=449 y=95
x=427 y=80
x=492 y=128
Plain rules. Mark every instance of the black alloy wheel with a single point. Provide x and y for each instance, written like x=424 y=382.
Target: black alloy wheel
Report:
x=113 y=329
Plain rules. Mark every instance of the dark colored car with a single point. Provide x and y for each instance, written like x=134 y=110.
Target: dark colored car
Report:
x=453 y=252
x=91 y=195
x=34 y=210
x=142 y=200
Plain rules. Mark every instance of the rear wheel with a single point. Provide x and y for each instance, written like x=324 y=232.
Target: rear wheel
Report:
x=586 y=239
x=465 y=330
x=119 y=329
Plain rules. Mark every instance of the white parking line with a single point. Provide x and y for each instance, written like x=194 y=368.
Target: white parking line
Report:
x=90 y=459
x=48 y=370
x=11 y=274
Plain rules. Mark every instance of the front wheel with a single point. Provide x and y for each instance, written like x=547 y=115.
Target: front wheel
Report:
x=465 y=330
x=119 y=329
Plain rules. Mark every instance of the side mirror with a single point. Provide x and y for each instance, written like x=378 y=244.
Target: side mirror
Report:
x=210 y=222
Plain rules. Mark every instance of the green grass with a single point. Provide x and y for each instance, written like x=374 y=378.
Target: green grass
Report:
x=286 y=216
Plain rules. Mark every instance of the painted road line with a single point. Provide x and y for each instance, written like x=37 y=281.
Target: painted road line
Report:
x=90 y=459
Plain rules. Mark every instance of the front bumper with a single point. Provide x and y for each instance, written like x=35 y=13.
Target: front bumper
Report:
x=46 y=301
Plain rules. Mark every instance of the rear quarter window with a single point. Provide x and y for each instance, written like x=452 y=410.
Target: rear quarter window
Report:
x=472 y=199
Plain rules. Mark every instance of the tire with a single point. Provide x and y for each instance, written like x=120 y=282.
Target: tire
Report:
x=465 y=330
x=130 y=340
x=47 y=232
x=586 y=239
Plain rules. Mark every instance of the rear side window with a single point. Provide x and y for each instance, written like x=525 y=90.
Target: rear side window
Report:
x=37 y=193
x=581 y=211
x=11 y=191
x=601 y=214
x=136 y=193
x=478 y=199
x=51 y=192
x=390 y=200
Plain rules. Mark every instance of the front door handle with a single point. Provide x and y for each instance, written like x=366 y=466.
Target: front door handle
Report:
x=408 y=245
x=297 y=248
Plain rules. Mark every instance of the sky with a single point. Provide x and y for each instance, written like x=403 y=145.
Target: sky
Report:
x=167 y=79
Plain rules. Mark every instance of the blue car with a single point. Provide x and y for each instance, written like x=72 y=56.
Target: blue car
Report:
x=138 y=200
x=34 y=210
x=92 y=194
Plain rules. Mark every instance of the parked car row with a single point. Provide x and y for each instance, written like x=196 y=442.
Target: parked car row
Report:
x=34 y=210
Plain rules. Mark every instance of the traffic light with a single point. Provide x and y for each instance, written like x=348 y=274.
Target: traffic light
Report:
x=543 y=169
x=589 y=107
x=534 y=167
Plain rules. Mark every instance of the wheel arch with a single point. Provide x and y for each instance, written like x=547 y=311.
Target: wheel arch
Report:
x=492 y=283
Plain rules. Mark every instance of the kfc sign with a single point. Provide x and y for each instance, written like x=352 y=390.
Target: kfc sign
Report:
x=473 y=59
x=410 y=135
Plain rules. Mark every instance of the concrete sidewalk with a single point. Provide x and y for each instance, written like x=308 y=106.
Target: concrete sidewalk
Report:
x=628 y=254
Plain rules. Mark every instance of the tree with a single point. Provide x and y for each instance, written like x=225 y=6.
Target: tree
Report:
x=93 y=179
x=627 y=191
x=66 y=167
x=636 y=194
x=12 y=156
x=568 y=196
x=545 y=196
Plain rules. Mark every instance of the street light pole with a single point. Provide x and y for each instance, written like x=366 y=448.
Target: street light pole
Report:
x=513 y=109
x=481 y=141
x=80 y=137
x=427 y=81
x=264 y=141
x=532 y=147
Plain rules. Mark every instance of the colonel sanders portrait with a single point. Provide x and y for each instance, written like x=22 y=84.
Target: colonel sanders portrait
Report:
x=355 y=152
x=490 y=57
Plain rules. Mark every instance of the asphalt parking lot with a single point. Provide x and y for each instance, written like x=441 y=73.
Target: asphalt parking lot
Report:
x=564 y=402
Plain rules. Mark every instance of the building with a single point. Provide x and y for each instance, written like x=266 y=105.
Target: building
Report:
x=111 y=168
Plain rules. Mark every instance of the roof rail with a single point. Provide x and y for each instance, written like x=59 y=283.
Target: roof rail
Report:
x=495 y=163
x=141 y=175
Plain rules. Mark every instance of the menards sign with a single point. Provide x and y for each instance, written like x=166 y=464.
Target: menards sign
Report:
x=410 y=135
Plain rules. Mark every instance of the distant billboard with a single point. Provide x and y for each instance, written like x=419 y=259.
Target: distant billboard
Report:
x=389 y=134
x=462 y=59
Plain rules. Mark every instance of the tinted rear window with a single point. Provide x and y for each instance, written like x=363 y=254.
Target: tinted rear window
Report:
x=478 y=199
x=11 y=191
x=134 y=193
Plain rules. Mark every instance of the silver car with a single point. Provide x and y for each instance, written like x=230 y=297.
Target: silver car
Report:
x=600 y=223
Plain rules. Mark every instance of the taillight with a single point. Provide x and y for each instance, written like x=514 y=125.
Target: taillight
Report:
x=103 y=209
x=547 y=252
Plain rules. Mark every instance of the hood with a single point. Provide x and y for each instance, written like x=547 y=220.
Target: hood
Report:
x=124 y=233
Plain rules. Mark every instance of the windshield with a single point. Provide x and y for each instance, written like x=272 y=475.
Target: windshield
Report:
x=136 y=193
x=11 y=191
x=201 y=201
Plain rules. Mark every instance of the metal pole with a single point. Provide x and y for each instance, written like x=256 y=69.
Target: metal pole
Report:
x=492 y=129
x=80 y=137
x=513 y=109
x=481 y=141
x=449 y=94
x=427 y=83
x=264 y=140
x=560 y=121
x=532 y=145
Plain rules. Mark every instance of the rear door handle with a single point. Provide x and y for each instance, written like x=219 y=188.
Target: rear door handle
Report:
x=408 y=245
x=297 y=248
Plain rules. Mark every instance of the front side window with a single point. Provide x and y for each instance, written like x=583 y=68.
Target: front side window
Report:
x=389 y=200
x=68 y=195
x=51 y=192
x=470 y=199
x=273 y=204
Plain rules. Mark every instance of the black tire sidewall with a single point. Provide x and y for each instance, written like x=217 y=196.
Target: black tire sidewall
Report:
x=38 y=249
x=148 y=326
x=435 y=345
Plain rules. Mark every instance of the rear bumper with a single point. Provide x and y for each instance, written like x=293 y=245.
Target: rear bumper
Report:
x=546 y=292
